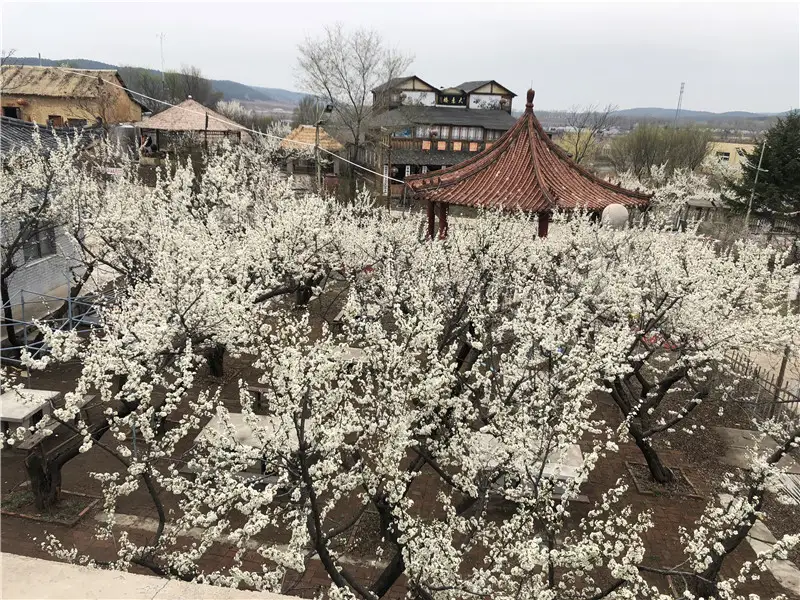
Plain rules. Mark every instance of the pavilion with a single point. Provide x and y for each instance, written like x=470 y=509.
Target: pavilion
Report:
x=189 y=122
x=523 y=170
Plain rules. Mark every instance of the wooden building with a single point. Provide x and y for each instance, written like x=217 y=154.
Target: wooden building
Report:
x=56 y=97
x=523 y=170
x=419 y=128
x=301 y=163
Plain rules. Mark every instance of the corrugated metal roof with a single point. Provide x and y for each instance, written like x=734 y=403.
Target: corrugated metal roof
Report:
x=16 y=134
x=523 y=170
x=55 y=82
x=442 y=115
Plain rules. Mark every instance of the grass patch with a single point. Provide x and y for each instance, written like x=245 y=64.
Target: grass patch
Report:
x=70 y=508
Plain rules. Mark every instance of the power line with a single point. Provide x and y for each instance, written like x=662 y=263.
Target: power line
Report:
x=242 y=127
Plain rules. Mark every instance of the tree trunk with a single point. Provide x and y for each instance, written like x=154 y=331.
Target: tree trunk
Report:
x=215 y=360
x=45 y=480
x=657 y=469
x=8 y=317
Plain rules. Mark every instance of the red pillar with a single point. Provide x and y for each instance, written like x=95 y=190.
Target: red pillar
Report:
x=443 y=206
x=544 y=223
x=431 y=218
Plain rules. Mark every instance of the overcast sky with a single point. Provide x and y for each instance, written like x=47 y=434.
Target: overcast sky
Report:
x=731 y=56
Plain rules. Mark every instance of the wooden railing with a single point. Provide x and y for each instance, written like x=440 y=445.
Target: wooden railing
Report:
x=769 y=395
x=436 y=145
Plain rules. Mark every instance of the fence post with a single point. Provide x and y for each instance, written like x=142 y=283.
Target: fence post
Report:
x=69 y=304
x=781 y=375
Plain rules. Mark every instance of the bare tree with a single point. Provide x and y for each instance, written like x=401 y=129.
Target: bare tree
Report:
x=587 y=125
x=306 y=112
x=343 y=67
x=653 y=145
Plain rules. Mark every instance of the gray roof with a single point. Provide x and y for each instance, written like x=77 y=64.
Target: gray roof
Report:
x=393 y=82
x=441 y=115
x=15 y=133
x=469 y=86
x=431 y=158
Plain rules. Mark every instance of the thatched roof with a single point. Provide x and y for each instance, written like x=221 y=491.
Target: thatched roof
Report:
x=189 y=115
x=299 y=139
x=56 y=82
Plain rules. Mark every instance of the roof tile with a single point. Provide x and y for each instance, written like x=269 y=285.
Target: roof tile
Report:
x=523 y=170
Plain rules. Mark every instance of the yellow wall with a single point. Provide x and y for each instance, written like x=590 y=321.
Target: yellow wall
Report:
x=732 y=148
x=114 y=106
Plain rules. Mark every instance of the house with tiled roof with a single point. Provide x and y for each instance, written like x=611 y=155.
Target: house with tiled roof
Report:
x=524 y=170
x=417 y=128
x=58 y=96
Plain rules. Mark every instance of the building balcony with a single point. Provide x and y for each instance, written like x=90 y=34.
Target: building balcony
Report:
x=434 y=145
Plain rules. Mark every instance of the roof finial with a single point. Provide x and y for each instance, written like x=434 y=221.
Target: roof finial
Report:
x=529 y=104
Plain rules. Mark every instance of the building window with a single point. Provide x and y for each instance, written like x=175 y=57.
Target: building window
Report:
x=394 y=98
x=423 y=131
x=55 y=121
x=41 y=244
x=456 y=146
x=493 y=134
x=724 y=156
x=475 y=133
x=12 y=111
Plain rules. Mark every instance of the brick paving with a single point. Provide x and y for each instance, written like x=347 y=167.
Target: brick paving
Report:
x=23 y=536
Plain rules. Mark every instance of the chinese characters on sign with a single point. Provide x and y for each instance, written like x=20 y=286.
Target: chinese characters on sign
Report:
x=385 y=179
x=452 y=99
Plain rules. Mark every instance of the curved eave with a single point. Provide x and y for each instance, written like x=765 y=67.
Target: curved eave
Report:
x=523 y=170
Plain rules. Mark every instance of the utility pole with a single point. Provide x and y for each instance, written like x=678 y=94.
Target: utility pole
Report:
x=326 y=110
x=680 y=103
x=755 y=183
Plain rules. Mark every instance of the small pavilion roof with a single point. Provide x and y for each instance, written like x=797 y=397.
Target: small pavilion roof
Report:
x=523 y=170
x=302 y=136
x=189 y=115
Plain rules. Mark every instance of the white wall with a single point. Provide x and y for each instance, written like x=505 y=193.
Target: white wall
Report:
x=475 y=100
x=423 y=98
x=46 y=275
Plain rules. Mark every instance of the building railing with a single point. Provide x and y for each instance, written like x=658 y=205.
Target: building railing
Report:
x=434 y=145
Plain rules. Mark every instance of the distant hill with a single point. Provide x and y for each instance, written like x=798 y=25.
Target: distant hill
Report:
x=279 y=95
x=231 y=90
x=692 y=115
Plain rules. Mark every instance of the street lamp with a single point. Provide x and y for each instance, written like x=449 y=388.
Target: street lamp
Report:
x=326 y=110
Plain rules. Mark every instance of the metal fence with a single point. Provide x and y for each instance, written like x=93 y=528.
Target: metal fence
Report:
x=78 y=313
x=768 y=393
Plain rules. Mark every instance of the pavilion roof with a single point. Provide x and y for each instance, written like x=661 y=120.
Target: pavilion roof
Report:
x=189 y=115
x=523 y=170
x=304 y=136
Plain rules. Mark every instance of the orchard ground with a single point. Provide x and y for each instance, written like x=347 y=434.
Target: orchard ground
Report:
x=697 y=455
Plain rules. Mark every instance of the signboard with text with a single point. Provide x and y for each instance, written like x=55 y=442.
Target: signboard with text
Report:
x=451 y=99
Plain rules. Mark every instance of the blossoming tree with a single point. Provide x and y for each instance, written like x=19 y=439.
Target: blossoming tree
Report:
x=469 y=366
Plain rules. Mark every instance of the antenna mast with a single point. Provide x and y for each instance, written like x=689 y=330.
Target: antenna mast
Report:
x=680 y=102
x=161 y=37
